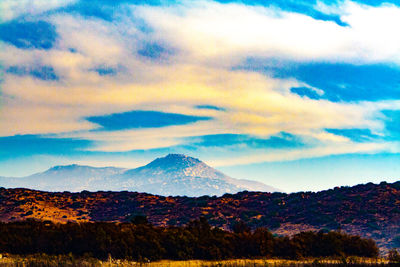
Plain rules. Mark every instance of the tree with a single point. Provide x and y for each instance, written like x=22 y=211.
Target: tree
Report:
x=241 y=227
x=394 y=256
x=139 y=219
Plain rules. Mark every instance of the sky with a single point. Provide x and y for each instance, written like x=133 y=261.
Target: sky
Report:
x=302 y=95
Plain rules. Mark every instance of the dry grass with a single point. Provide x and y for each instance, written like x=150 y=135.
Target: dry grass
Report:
x=263 y=262
x=69 y=261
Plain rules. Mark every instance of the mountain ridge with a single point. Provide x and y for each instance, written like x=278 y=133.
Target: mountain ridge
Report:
x=174 y=174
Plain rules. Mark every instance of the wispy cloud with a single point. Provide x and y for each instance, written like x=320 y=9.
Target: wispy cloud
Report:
x=190 y=61
x=269 y=32
x=10 y=9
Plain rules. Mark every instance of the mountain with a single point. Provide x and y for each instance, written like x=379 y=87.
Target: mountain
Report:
x=174 y=174
x=66 y=178
x=178 y=174
x=370 y=210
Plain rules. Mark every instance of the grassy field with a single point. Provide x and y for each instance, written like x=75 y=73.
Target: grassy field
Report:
x=67 y=261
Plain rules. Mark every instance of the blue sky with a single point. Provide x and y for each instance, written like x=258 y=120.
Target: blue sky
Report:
x=301 y=95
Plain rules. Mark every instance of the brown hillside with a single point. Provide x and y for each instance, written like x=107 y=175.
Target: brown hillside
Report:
x=368 y=210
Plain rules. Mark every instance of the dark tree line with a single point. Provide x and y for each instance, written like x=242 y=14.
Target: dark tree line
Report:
x=139 y=240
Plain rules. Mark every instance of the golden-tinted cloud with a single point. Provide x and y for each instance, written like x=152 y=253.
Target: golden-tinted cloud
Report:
x=207 y=41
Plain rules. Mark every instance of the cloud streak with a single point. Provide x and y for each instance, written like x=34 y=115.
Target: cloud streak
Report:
x=10 y=9
x=185 y=62
x=268 y=32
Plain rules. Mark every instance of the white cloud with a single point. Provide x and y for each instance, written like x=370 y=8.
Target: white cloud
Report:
x=304 y=153
x=11 y=9
x=231 y=32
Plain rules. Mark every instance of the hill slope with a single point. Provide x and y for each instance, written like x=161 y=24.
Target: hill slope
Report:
x=174 y=174
x=368 y=210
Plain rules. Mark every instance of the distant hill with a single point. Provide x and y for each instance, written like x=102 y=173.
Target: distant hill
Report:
x=73 y=178
x=172 y=175
x=368 y=210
